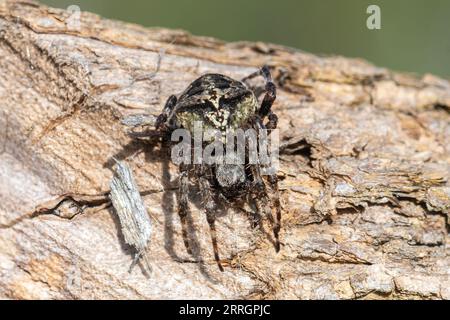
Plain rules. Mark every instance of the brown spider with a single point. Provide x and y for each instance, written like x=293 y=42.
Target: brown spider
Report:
x=222 y=104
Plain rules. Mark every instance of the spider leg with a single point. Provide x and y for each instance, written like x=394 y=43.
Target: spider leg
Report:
x=260 y=188
x=275 y=203
x=161 y=121
x=271 y=93
x=262 y=199
x=183 y=204
x=251 y=76
x=161 y=130
x=259 y=204
x=270 y=89
x=276 y=208
x=258 y=194
x=210 y=207
x=273 y=121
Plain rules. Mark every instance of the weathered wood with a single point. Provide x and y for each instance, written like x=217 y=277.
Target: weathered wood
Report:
x=127 y=202
x=364 y=169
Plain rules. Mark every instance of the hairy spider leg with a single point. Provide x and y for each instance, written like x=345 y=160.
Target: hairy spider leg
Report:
x=261 y=193
x=161 y=121
x=262 y=200
x=210 y=208
x=272 y=123
x=162 y=129
x=183 y=204
x=270 y=89
x=258 y=193
x=276 y=208
x=255 y=74
x=271 y=93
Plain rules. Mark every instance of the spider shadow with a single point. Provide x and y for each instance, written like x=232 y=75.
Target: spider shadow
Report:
x=161 y=156
x=169 y=208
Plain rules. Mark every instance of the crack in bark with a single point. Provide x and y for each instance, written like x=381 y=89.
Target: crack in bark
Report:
x=51 y=206
x=82 y=201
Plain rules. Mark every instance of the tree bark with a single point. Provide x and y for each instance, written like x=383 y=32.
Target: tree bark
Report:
x=363 y=173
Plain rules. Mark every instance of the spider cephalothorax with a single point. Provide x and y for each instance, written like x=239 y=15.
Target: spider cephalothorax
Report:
x=216 y=100
x=223 y=104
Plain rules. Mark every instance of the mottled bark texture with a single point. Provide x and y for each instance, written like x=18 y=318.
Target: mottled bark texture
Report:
x=364 y=169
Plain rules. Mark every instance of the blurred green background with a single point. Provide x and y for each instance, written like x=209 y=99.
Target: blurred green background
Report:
x=414 y=35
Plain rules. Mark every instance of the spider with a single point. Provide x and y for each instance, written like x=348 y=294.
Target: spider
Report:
x=223 y=103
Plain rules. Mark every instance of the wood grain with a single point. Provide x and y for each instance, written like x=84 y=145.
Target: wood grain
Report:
x=364 y=169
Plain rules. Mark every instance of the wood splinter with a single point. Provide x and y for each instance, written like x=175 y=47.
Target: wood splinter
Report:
x=129 y=206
